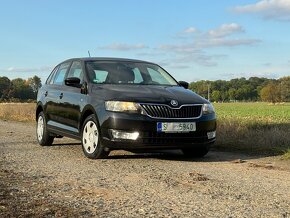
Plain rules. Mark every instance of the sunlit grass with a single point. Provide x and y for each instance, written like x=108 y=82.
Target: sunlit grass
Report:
x=256 y=127
x=17 y=111
x=286 y=156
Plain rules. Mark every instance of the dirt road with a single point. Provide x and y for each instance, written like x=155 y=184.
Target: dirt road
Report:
x=59 y=181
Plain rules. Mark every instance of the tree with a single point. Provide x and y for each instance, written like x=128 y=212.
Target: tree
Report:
x=216 y=96
x=232 y=94
x=5 y=84
x=284 y=84
x=21 y=89
x=270 y=93
x=35 y=84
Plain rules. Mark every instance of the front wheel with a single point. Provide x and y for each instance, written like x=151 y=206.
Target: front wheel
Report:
x=43 y=136
x=91 y=142
x=198 y=152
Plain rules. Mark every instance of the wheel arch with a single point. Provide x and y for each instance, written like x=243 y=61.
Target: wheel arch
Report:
x=39 y=108
x=87 y=111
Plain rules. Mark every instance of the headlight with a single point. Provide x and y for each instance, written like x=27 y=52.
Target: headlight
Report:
x=207 y=109
x=122 y=106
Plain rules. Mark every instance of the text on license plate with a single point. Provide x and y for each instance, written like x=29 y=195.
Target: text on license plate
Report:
x=176 y=127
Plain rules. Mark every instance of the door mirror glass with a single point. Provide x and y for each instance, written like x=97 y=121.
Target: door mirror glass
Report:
x=183 y=84
x=73 y=81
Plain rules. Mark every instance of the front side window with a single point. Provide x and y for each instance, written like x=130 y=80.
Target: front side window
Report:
x=76 y=71
x=60 y=74
x=123 y=72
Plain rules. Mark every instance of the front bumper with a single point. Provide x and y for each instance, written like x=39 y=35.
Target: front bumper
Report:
x=148 y=135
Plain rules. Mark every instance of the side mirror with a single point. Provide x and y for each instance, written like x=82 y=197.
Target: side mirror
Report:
x=73 y=81
x=183 y=84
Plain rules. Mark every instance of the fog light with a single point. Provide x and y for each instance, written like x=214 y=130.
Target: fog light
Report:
x=117 y=134
x=211 y=135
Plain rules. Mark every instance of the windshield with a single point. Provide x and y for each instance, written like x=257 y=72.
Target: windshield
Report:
x=114 y=72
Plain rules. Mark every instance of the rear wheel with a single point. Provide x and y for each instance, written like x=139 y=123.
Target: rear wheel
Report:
x=91 y=142
x=43 y=136
x=199 y=151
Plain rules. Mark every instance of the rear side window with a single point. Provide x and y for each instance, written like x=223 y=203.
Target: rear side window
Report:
x=51 y=76
x=76 y=71
x=60 y=74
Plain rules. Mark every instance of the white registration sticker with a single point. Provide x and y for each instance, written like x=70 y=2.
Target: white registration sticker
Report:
x=176 y=127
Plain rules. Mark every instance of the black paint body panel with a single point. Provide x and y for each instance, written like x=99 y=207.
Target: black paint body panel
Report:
x=65 y=108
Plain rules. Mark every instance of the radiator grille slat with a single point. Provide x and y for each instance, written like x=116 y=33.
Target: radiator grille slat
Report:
x=164 y=111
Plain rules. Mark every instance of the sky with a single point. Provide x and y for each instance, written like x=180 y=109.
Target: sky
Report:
x=192 y=39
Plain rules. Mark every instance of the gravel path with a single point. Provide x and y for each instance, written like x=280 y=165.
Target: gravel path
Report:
x=59 y=181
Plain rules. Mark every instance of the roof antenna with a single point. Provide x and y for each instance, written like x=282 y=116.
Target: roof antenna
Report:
x=89 y=53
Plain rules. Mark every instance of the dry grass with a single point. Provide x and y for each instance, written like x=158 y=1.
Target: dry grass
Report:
x=286 y=155
x=253 y=127
x=234 y=135
x=18 y=111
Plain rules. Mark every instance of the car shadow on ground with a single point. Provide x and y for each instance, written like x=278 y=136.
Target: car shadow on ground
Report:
x=177 y=155
x=65 y=144
x=214 y=155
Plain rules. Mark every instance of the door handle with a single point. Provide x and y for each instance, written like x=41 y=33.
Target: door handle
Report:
x=61 y=95
x=46 y=93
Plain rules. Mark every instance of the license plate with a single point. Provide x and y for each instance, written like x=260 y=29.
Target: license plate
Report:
x=176 y=127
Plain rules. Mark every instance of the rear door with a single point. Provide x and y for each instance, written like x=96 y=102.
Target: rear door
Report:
x=55 y=94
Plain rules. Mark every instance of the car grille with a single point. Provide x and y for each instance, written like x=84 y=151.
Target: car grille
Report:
x=164 y=111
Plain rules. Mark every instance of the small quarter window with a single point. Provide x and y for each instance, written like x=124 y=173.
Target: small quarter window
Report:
x=76 y=71
x=60 y=74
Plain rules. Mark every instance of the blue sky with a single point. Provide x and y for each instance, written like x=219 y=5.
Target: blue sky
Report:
x=191 y=39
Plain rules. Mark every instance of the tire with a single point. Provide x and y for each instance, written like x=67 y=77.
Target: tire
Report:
x=198 y=152
x=91 y=139
x=42 y=135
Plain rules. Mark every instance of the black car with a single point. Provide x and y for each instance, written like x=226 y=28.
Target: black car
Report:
x=112 y=103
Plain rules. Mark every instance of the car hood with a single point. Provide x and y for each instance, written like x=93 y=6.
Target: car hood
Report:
x=147 y=94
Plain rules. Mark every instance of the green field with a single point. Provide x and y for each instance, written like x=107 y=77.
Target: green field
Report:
x=254 y=127
x=254 y=112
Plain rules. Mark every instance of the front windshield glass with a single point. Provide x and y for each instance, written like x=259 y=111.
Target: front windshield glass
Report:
x=114 y=72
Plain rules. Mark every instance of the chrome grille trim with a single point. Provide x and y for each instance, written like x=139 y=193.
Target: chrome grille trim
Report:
x=164 y=111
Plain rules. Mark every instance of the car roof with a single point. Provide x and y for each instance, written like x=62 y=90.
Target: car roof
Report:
x=106 y=59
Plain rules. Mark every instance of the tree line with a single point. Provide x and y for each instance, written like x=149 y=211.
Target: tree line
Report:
x=19 y=89
x=242 y=89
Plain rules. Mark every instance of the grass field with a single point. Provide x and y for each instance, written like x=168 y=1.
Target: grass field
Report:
x=250 y=127
x=256 y=127
x=18 y=111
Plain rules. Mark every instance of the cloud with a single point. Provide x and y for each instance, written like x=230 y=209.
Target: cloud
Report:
x=183 y=48
x=123 y=47
x=222 y=42
x=268 y=9
x=200 y=58
x=194 y=49
x=268 y=64
x=218 y=37
x=26 y=70
x=225 y=30
x=190 y=30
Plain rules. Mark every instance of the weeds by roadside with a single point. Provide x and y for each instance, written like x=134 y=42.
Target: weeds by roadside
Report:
x=253 y=127
x=18 y=111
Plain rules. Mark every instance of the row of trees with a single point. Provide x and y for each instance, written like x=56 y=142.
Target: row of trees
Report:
x=19 y=89
x=242 y=89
